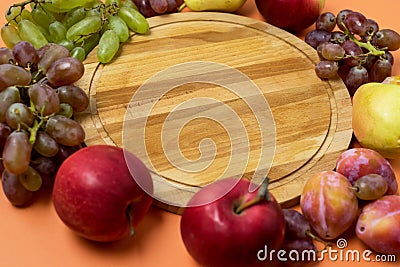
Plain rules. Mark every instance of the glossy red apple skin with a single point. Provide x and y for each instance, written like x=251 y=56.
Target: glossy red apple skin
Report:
x=378 y=225
x=214 y=235
x=94 y=190
x=357 y=162
x=290 y=15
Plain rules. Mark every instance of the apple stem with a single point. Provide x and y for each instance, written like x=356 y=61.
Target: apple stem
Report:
x=367 y=45
x=129 y=216
x=316 y=238
x=262 y=194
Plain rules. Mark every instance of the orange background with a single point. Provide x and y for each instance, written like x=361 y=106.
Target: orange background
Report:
x=34 y=236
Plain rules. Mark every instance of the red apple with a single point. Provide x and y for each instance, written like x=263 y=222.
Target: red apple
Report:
x=290 y=15
x=238 y=228
x=97 y=196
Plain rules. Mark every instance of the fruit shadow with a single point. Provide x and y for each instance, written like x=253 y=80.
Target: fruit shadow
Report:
x=41 y=198
x=128 y=244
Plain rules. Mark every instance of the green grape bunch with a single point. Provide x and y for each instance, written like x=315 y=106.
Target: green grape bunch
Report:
x=78 y=25
x=46 y=44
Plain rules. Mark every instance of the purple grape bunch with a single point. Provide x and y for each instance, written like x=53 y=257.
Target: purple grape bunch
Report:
x=151 y=8
x=38 y=100
x=352 y=47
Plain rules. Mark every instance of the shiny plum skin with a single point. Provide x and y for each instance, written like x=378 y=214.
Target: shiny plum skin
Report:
x=329 y=204
x=378 y=225
x=357 y=162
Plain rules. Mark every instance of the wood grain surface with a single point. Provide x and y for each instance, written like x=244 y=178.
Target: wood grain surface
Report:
x=168 y=98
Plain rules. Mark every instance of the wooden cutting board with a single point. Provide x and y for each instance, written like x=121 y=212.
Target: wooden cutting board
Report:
x=210 y=95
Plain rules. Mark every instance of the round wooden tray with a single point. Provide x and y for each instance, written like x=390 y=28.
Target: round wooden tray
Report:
x=203 y=90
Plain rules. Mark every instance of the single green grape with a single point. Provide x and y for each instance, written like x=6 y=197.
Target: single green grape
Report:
x=66 y=110
x=79 y=53
x=10 y=35
x=84 y=28
x=119 y=26
x=44 y=31
x=57 y=32
x=28 y=31
x=26 y=14
x=95 y=11
x=41 y=17
x=134 y=19
x=74 y=16
x=67 y=44
x=12 y=15
x=108 y=46
x=30 y=179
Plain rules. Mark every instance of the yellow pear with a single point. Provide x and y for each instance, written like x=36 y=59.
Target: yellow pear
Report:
x=376 y=118
x=214 y=5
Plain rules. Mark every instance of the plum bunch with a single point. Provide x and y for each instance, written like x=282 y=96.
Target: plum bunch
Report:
x=360 y=192
x=352 y=47
x=38 y=100
x=151 y=8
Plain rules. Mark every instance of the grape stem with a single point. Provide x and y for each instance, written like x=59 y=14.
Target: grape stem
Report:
x=262 y=194
x=22 y=5
x=34 y=129
x=36 y=125
x=316 y=238
x=367 y=45
x=37 y=76
x=111 y=8
x=26 y=2
x=355 y=188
